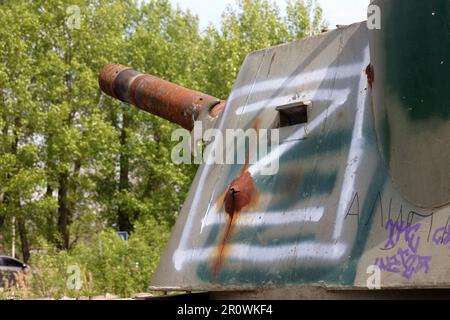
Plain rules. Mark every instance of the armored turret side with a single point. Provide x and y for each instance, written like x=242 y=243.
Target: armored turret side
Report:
x=330 y=212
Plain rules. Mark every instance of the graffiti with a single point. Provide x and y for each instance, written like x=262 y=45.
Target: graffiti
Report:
x=403 y=238
x=399 y=228
x=405 y=262
x=441 y=236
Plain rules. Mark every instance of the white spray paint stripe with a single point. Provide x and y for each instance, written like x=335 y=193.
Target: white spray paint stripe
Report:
x=213 y=216
x=280 y=100
x=179 y=256
x=353 y=162
x=302 y=79
x=255 y=219
x=275 y=154
x=301 y=133
x=307 y=251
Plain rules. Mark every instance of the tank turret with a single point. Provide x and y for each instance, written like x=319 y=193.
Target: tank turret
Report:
x=361 y=197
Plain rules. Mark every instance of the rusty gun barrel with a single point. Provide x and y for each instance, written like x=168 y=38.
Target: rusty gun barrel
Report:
x=159 y=97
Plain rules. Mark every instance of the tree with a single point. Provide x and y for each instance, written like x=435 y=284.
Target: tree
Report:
x=163 y=43
x=250 y=26
x=22 y=177
x=74 y=162
x=303 y=18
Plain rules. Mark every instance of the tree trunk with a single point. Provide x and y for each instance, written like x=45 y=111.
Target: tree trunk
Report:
x=63 y=210
x=50 y=219
x=24 y=240
x=123 y=218
x=21 y=220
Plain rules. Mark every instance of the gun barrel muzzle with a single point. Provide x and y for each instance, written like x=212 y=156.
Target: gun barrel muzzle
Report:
x=159 y=97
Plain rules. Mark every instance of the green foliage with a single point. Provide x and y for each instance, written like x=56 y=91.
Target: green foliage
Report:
x=250 y=26
x=107 y=264
x=304 y=18
x=73 y=162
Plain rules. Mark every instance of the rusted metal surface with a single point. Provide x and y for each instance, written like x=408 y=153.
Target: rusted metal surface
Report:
x=370 y=75
x=240 y=194
x=162 y=98
x=216 y=110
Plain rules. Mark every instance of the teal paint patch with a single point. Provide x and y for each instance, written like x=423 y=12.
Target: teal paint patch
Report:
x=385 y=134
x=317 y=144
x=296 y=189
x=416 y=56
x=318 y=184
x=305 y=182
x=213 y=235
x=264 y=276
x=252 y=236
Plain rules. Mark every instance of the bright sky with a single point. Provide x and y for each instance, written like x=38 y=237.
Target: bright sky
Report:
x=335 y=11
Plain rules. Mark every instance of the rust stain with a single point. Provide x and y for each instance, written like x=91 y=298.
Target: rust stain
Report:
x=241 y=194
x=370 y=74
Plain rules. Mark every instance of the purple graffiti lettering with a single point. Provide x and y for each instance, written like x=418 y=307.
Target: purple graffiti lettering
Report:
x=399 y=228
x=395 y=231
x=406 y=262
x=389 y=264
x=393 y=264
x=423 y=263
x=441 y=236
x=410 y=235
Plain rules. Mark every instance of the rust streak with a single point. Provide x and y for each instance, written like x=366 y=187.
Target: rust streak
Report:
x=221 y=252
x=370 y=74
x=240 y=194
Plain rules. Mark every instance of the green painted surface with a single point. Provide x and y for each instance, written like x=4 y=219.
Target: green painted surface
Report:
x=415 y=46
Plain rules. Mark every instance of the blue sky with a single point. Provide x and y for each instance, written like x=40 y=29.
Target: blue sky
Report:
x=335 y=11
